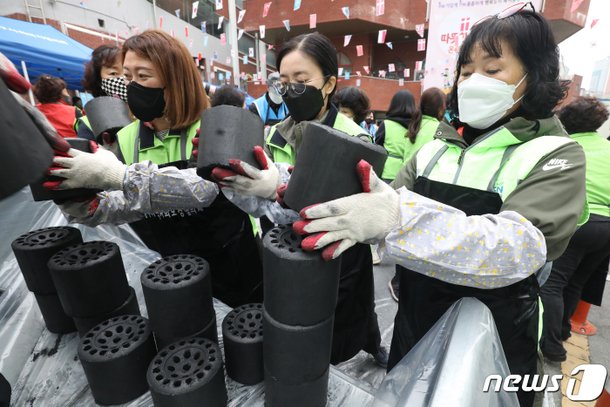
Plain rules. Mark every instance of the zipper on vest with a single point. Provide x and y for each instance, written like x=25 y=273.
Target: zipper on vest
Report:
x=463 y=153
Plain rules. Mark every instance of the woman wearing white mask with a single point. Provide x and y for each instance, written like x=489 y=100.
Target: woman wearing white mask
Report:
x=482 y=208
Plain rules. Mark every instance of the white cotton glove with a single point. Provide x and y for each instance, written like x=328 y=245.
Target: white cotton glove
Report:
x=98 y=170
x=78 y=211
x=247 y=180
x=366 y=217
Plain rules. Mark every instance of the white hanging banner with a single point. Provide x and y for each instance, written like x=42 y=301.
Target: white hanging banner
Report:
x=450 y=22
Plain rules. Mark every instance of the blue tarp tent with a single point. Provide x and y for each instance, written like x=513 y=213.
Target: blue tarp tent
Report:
x=44 y=51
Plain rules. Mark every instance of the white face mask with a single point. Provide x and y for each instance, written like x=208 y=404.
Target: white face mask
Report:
x=482 y=100
x=274 y=96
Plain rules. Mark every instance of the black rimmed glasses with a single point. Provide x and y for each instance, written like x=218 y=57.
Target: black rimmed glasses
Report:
x=297 y=87
x=509 y=11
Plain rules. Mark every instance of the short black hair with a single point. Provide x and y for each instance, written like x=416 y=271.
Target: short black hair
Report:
x=403 y=106
x=531 y=40
x=583 y=115
x=355 y=99
x=316 y=46
x=228 y=95
x=48 y=89
x=104 y=55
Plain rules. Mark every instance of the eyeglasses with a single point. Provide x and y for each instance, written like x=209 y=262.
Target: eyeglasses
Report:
x=509 y=11
x=297 y=87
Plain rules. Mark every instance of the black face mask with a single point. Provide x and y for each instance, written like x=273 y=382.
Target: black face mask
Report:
x=145 y=103
x=305 y=106
x=369 y=121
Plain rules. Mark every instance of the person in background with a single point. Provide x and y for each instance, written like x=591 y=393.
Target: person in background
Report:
x=369 y=124
x=352 y=102
x=158 y=69
x=270 y=107
x=55 y=103
x=398 y=132
x=432 y=105
x=228 y=95
x=586 y=256
x=103 y=77
x=77 y=102
x=478 y=212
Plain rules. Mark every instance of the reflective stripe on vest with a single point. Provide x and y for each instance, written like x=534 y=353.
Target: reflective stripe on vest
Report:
x=497 y=168
x=174 y=147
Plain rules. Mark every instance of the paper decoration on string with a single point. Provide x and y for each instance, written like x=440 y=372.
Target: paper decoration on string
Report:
x=240 y=16
x=245 y=59
x=346 y=40
x=223 y=39
x=297 y=5
x=266 y=8
x=195 y=9
x=381 y=36
x=419 y=28
x=358 y=73
x=269 y=47
x=358 y=82
x=421 y=44
x=203 y=26
x=340 y=71
x=218 y=4
x=345 y=11
x=286 y=24
x=186 y=31
x=251 y=52
x=220 y=20
x=391 y=68
x=312 y=20
x=419 y=65
x=261 y=30
x=407 y=72
x=359 y=50
x=177 y=11
x=366 y=69
x=594 y=22
x=347 y=75
x=390 y=45
x=382 y=73
x=401 y=82
x=379 y=7
x=240 y=33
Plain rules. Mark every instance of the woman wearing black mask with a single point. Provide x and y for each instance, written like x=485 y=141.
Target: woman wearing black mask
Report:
x=166 y=94
x=308 y=69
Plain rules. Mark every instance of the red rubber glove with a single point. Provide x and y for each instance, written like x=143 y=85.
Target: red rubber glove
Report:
x=366 y=217
x=13 y=79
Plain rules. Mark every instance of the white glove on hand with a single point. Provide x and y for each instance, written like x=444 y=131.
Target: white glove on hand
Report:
x=366 y=217
x=247 y=180
x=78 y=211
x=98 y=170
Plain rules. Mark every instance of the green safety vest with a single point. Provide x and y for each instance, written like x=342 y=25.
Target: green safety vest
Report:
x=495 y=163
x=597 y=154
x=399 y=147
x=173 y=148
x=282 y=152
